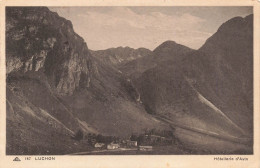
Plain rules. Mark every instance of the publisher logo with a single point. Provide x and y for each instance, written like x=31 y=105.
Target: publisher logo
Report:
x=16 y=159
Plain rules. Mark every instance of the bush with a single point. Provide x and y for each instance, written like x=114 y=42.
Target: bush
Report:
x=79 y=135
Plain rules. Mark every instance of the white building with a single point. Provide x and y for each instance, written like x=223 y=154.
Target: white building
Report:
x=145 y=148
x=113 y=146
x=99 y=145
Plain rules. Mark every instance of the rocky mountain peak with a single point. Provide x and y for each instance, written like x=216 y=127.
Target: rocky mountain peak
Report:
x=120 y=55
x=236 y=31
x=167 y=44
x=171 y=50
x=39 y=40
x=236 y=22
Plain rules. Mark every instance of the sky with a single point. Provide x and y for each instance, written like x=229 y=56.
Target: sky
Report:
x=148 y=27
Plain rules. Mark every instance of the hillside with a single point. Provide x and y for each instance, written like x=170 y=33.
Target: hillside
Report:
x=55 y=87
x=210 y=89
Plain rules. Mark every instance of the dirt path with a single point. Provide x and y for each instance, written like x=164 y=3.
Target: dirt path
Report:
x=105 y=150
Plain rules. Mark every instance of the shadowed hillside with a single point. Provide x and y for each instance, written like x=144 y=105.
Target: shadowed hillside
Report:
x=53 y=80
x=209 y=89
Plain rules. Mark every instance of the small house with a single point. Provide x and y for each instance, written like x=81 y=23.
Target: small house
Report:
x=145 y=148
x=99 y=145
x=113 y=146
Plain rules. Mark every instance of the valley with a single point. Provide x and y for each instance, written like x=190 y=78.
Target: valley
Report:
x=64 y=98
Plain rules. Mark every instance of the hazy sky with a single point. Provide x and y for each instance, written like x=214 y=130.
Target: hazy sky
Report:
x=106 y=27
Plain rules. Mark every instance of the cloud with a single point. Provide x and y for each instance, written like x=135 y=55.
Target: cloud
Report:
x=120 y=26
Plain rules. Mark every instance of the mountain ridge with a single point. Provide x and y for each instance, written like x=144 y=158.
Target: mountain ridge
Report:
x=120 y=55
x=56 y=86
x=217 y=71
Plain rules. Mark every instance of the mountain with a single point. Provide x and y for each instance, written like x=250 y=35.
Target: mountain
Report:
x=55 y=87
x=167 y=51
x=171 y=50
x=120 y=55
x=209 y=90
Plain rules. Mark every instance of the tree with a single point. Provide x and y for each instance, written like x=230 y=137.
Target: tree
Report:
x=140 y=139
x=79 y=135
x=133 y=137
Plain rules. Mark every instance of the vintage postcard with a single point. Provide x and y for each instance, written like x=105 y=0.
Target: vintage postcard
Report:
x=130 y=83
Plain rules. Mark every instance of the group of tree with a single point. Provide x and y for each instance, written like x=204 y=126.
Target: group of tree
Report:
x=155 y=137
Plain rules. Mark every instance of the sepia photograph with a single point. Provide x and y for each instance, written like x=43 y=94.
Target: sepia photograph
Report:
x=129 y=80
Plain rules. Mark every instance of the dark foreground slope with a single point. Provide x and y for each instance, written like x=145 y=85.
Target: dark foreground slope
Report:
x=208 y=91
x=55 y=87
